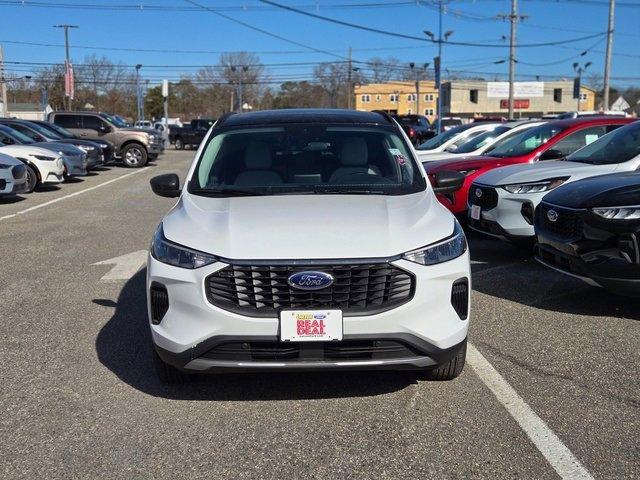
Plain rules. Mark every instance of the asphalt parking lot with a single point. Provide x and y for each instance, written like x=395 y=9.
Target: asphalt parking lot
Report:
x=550 y=389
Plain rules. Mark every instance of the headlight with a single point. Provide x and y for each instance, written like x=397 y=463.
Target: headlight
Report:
x=619 y=213
x=152 y=138
x=44 y=157
x=86 y=148
x=168 y=252
x=536 y=187
x=443 y=251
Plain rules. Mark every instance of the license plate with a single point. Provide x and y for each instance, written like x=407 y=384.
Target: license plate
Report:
x=310 y=325
x=475 y=212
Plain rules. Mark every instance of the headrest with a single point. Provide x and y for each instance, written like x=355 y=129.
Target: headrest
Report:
x=354 y=152
x=257 y=156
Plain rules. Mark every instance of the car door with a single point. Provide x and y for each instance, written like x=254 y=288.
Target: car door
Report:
x=94 y=127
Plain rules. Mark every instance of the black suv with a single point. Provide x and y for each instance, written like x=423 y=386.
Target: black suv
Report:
x=417 y=127
x=591 y=229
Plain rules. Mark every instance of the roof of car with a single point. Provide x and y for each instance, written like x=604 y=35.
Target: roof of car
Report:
x=304 y=115
x=604 y=119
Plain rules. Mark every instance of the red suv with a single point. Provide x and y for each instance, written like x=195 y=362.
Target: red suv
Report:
x=549 y=141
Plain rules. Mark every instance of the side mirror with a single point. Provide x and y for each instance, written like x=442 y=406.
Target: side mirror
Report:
x=167 y=185
x=447 y=181
x=104 y=129
x=551 y=154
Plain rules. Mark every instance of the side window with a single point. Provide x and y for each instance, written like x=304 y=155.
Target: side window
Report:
x=67 y=121
x=91 y=122
x=579 y=139
x=6 y=140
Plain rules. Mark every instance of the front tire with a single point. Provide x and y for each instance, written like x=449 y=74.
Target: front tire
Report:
x=179 y=144
x=134 y=155
x=32 y=179
x=166 y=373
x=451 y=369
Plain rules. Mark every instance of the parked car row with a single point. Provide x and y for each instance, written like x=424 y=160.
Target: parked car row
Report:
x=570 y=188
x=191 y=134
x=35 y=152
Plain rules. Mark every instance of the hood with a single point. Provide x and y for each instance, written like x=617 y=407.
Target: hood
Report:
x=443 y=156
x=74 y=141
x=150 y=131
x=612 y=190
x=534 y=172
x=7 y=159
x=21 y=150
x=464 y=163
x=65 y=148
x=288 y=227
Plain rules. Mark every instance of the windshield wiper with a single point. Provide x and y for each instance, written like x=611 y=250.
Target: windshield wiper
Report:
x=230 y=192
x=346 y=191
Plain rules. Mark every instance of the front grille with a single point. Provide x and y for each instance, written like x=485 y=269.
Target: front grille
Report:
x=488 y=196
x=263 y=290
x=567 y=224
x=3 y=184
x=19 y=172
x=311 y=351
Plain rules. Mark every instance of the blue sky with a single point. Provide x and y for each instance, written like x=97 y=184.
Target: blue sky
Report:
x=471 y=20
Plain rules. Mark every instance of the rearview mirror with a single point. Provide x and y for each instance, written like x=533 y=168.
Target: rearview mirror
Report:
x=447 y=181
x=551 y=154
x=167 y=185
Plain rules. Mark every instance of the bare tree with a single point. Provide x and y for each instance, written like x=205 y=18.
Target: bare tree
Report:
x=383 y=69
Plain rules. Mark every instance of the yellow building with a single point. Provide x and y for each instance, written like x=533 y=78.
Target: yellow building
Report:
x=398 y=97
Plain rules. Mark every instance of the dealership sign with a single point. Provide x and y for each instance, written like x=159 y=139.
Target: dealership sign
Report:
x=520 y=89
x=520 y=103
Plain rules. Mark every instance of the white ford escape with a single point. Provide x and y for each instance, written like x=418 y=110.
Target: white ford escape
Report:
x=307 y=239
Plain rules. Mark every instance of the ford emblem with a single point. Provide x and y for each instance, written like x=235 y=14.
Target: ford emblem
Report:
x=478 y=192
x=552 y=215
x=310 y=280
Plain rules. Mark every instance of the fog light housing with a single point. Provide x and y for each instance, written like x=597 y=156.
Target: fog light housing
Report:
x=460 y=297
x=159 y=299
x=527 y=211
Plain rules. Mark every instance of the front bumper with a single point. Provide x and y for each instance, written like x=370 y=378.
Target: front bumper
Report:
x=75 y=165
x=51 y=171
x=155 y=148
x=605 y=267
x=510 y=218
x=428 y=326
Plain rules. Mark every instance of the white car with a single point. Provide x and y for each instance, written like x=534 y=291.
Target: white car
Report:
x=454 y=137
x=43 y=166
x=484 y=142
x=13 y=176
x=306 y=240
x=511 y=194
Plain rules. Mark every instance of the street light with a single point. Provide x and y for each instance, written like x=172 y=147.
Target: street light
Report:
x=139 y=104
x=242 y=68
x=576 y=87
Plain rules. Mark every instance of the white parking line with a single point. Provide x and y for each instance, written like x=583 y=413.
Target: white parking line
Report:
x=557 y=454
x=56 y=200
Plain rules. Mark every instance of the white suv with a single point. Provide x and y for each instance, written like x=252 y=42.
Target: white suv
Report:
x=515 y=191
x=308 y=239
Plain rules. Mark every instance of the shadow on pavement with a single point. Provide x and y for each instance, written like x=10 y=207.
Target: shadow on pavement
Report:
x=74 y=179
x=124 y=347
x=47 y=188
x=8 y=200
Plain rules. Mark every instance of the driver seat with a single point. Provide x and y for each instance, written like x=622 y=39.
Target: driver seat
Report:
x=354 y=158
x=258 y=163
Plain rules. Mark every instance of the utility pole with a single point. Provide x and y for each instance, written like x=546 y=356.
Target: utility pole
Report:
x=513 y=18
x=417 y=71
x=437 y=62
x=139 y=103
x=66 y=27
x=3 y=85
x=349 y=81
x=240 y=70
x=607 y=60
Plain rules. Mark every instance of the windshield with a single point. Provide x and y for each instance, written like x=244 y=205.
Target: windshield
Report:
x=62 y=132
x=619 y=146
x=114 y=120
x=306 y=159
x=44 y=131
x=443 y=138
x=527 y=141
x=16 y=135
x=479 y=141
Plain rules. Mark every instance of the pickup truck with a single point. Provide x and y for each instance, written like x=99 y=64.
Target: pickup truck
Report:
x=191 y=134
x=417 y=127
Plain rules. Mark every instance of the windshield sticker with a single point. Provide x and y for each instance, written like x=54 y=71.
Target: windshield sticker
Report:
x=590 y=138
x=397 y=154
